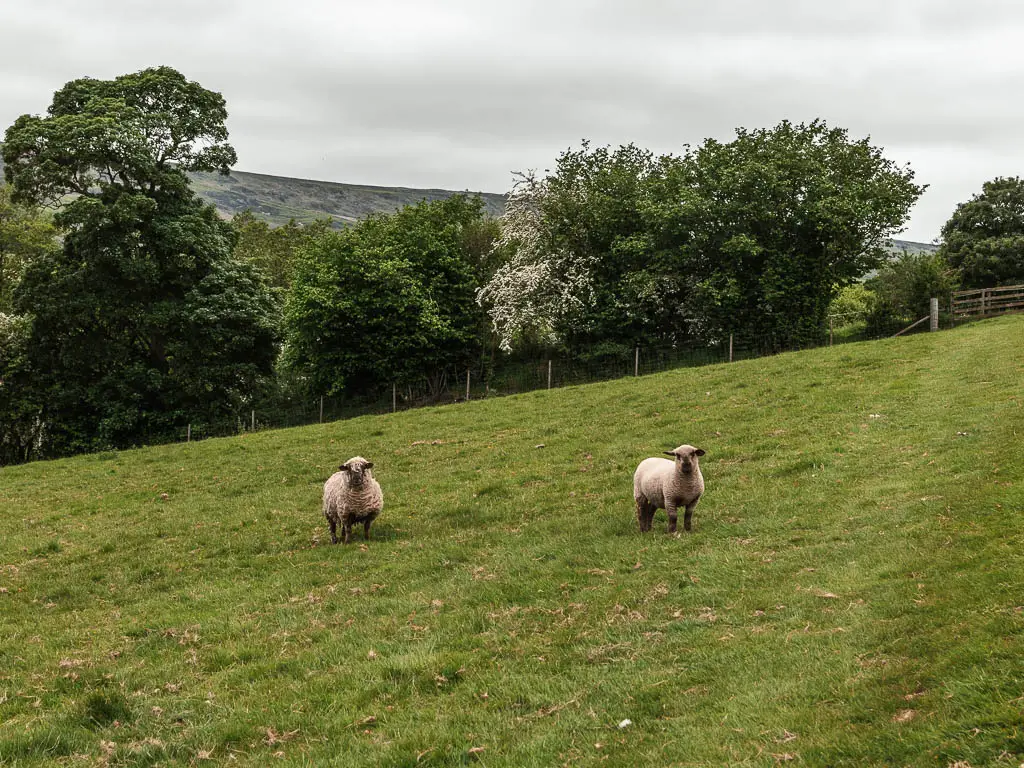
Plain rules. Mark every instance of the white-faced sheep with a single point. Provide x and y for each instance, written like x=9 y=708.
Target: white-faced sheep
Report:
x=351 y=495
x=663 y=484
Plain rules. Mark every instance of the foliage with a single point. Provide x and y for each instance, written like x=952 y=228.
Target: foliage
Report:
x=103 y=139
x=25 y=235
x=21 y=428
x=481 y=244
x=541 y=286
x=583 y=267
x=390 y=299
x=851 y=301
x=130 y=343
x=984 y=238
x=849 y=597
x=903 y=288
x=272 y=249
x=753 y=236
x=143 y=321
x=774 y=222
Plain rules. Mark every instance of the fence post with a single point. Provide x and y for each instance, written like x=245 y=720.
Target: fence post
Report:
x=253 y=419
x=830 y=330
x=636 y=363
x=188 y=439
x=730 y=347
x=394 y=396
x=549 y=374
x=467 y=384
x=952 y=314
x=321 y=409
x=934 y=312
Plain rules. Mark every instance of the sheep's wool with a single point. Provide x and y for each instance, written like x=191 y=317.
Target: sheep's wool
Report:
x=661 y=484
x=347 y=502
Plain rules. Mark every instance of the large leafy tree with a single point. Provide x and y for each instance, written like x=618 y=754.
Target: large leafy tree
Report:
x=105 y=139
x=143 y=320
x=984 y=238
x=775 y=222
x=583 y=266
x=755 y=235
x=390 y=299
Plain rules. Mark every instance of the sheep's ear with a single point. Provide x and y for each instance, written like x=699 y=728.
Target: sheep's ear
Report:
x=344 y=468
x=670 y=453
x=369 y=465
x=700 y=452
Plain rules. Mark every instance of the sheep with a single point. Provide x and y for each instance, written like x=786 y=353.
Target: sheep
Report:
x=351 y=495
x=663 y=484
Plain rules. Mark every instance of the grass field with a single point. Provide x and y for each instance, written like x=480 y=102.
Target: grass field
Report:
x=853 y=592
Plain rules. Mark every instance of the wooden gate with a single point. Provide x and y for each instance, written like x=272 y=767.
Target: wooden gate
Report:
x=987 y=302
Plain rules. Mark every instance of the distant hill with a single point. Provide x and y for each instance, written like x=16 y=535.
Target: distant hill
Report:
x=280 y=198
x=909 y=245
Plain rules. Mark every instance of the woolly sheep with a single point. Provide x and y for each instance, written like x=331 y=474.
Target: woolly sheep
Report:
x=663 y=484
x=351 y=495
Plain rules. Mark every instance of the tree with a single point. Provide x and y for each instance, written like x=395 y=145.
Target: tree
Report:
x=388 y=299
x=272 y=249
x=143 y=320
x=25 y=236
x=902 y=289
x=984 y=238
x=753 y=236
x=104 y=139
x=542 y=286
x=775 y=222
x=20 y=424
x=583 y=267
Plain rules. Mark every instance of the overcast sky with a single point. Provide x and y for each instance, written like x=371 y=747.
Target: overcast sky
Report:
x=457 y=94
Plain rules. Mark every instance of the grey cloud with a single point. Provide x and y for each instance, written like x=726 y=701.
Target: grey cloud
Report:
x=457 y=93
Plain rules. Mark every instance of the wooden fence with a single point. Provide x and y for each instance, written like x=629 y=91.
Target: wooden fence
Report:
x=986 y=302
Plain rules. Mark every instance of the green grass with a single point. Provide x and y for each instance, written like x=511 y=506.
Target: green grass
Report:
x=851 y=594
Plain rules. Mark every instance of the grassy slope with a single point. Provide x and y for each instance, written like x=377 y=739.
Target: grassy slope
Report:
x=851 y=594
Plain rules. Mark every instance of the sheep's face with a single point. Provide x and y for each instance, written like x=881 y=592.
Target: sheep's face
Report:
x=358 y=469
x=686 y=457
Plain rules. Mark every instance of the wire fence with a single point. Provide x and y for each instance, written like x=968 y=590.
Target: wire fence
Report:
x=498 y=375
x=501 y=376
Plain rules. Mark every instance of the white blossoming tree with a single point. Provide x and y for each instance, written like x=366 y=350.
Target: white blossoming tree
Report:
x=544 y=284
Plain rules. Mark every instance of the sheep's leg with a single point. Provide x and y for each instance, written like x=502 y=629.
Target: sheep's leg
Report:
x=673 y=515
x=649 y=513
x=645 y=512
x=641 y=514
x=366 y=529
x=334 y=530
x=688 y=516
x=346 y=531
